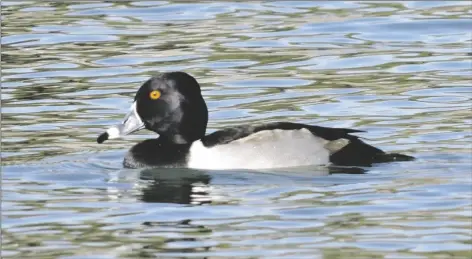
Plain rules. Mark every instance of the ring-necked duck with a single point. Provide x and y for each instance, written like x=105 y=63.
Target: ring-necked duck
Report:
x=172 y=105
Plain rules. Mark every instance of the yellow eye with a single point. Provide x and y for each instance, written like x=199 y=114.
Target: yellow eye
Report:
x=154 y=95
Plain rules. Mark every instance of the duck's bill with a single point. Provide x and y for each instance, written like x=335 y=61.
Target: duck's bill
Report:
x=130 y=124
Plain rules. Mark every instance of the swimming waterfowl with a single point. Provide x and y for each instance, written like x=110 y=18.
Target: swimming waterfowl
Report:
x=171 y=105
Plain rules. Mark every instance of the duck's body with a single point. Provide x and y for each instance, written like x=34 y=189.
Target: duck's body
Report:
x=172 y=106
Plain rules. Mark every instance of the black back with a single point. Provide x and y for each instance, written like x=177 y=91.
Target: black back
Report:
x=230 y=134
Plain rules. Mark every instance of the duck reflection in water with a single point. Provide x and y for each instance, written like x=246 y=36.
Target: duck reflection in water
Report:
x=194 y=187
x=181 y=186
x=189 y=186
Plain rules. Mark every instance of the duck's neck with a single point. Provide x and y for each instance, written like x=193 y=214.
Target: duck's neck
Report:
x=179 y=138
x=186 y=124
x=188 y=130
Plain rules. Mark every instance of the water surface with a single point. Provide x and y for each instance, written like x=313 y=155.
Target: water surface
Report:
x=399 y=70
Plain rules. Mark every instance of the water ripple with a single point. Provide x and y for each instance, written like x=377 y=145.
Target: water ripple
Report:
x=399 y=70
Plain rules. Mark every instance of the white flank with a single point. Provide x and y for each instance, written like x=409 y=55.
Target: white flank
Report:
x=262 y=150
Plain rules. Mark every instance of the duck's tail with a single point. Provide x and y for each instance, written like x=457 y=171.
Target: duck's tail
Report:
x=391 y=157
x=359 y=153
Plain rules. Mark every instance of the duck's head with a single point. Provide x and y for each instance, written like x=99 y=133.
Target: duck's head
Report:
x=171 y=105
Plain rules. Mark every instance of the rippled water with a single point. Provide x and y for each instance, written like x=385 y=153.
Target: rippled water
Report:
x=399 y=70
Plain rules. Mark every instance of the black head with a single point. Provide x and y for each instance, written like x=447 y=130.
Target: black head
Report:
x=180 y=113
x=170 y=104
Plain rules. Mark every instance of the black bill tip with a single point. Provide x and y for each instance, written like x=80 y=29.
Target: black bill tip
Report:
x=102 y=138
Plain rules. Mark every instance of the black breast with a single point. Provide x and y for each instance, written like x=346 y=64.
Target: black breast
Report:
x=156 y=153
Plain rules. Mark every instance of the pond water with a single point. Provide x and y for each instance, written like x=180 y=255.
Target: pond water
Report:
x=399 y=70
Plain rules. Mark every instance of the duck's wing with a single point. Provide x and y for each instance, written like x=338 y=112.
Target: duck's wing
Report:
x=344 y=148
